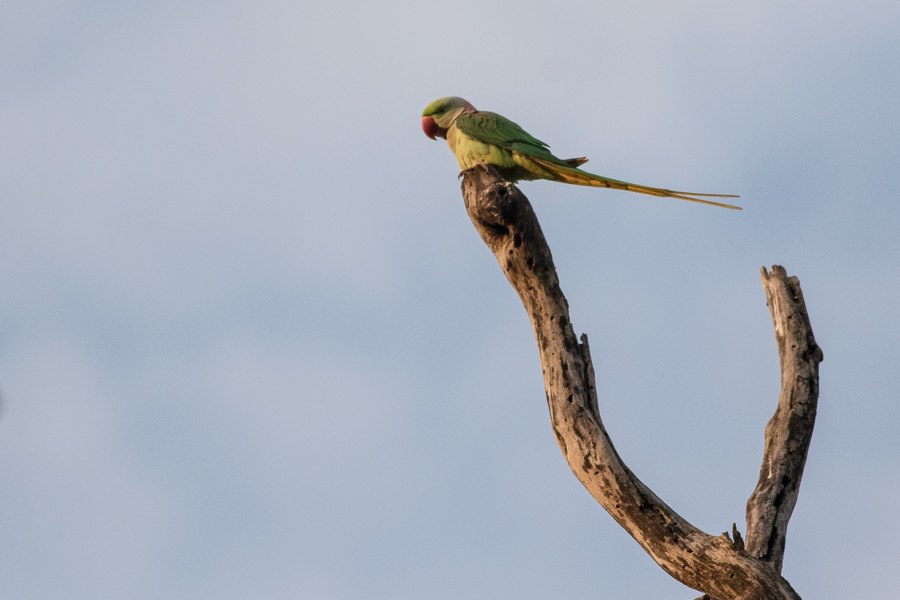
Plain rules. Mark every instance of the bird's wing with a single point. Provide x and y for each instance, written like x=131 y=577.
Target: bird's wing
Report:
x=495 y=129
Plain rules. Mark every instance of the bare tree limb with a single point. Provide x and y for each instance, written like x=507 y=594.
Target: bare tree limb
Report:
x=790 y=430
x=711 y=564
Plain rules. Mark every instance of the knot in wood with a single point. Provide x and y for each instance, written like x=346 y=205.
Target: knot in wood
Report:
x=490 y=199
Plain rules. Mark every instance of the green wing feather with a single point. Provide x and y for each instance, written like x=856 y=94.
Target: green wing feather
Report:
x=492 y=128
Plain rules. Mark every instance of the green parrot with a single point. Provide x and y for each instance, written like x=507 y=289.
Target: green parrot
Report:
x=476 y=136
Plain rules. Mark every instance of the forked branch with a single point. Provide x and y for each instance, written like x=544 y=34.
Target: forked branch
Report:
x=712 y=564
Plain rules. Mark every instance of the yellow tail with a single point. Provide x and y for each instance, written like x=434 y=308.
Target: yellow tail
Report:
x=579 y=177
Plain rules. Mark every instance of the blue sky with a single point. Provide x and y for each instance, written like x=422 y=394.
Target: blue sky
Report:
x=252 y=347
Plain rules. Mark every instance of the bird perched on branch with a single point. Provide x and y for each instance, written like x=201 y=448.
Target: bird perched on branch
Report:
x=477 y=136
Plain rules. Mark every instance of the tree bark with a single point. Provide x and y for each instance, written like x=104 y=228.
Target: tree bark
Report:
x=790 y=430
x=712 y=564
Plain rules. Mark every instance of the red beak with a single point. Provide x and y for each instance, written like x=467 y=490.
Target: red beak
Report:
x=430 y=127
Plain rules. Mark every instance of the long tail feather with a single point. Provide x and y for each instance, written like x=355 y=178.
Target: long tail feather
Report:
x=579 y=177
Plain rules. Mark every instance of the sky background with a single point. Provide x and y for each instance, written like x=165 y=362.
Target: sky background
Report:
x=251 y=346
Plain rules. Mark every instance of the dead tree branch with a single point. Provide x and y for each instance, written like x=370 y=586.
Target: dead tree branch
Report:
x=712 y=564
x=790 y=430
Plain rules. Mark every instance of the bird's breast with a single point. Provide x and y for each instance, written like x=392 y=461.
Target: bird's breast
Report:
x=470 y=151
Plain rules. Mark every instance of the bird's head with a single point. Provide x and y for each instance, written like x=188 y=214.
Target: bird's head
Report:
x=440 y=114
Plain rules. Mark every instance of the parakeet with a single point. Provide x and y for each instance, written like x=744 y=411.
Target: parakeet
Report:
x=477 y=136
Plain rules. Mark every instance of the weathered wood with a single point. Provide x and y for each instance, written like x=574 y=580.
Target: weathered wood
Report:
x=712 y=564
x=790 y=430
